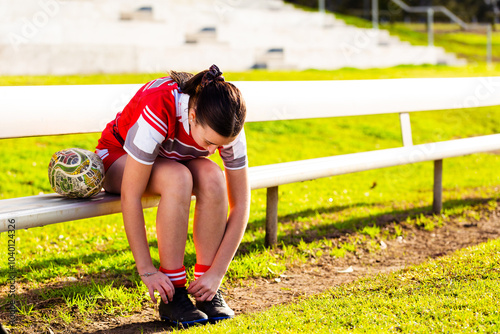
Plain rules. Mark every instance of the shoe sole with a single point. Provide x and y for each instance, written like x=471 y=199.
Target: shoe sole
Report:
x=217 y=319
x=185 y=323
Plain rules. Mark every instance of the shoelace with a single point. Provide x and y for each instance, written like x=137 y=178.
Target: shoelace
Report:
x=218 y=300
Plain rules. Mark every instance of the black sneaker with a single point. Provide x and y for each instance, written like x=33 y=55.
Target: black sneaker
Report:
x=216 y=309
x=181 y=310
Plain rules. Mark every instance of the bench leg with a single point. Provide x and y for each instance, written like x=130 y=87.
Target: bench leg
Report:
x=437 y=204
x=272 y=216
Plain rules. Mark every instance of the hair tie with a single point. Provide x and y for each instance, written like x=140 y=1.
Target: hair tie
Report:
x=213 y=74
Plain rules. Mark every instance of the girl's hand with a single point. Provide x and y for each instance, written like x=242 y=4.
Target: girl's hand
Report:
x=161 y=283
x=205 y=287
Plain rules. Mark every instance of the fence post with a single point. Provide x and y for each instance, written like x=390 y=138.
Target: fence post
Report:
x=375 y=14
x=430 y=26
x=272 y=217
x=489 y=57
x=437 y=203
x=321 y=8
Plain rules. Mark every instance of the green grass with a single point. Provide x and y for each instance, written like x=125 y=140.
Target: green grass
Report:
x=470 y=45
x=81 y=270
x=455 y=294
x=402 y=71
x=467 y=44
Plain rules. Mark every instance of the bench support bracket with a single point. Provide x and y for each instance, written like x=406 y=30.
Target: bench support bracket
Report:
x=272 y=217
x=437 y=203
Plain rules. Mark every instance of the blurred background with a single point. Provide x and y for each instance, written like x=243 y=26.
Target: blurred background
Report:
x=61 y=37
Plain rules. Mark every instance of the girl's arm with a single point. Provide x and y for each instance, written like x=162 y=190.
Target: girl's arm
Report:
x=135 y=180
x=239 y=210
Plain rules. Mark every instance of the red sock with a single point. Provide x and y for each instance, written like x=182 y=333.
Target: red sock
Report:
x=199 y=269
x=177 y=277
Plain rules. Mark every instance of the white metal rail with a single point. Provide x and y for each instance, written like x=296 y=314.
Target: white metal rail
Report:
x=54 y=110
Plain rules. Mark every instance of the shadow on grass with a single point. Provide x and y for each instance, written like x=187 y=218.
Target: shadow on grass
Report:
x=294 y=234
x=307 y=232
x=51 y=297
x=143 y=327
x=139 y=327
x=114 y=272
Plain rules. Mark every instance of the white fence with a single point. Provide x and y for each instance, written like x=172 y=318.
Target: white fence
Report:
x=53 y=110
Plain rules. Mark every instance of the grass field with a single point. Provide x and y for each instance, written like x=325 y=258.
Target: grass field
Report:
x=467 y=44
x=442 y=295
x=76 y=272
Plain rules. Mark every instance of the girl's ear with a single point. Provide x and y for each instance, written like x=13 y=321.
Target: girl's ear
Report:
x=192 y=114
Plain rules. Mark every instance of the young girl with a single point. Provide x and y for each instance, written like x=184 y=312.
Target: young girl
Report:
x=158 y=145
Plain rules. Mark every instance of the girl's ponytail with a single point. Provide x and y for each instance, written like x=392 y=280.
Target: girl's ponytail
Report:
x=182 y=79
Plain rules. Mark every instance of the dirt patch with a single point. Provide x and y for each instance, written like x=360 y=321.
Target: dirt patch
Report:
x=414 y=246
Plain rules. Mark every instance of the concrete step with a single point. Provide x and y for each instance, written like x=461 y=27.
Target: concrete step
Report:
x=107 y=36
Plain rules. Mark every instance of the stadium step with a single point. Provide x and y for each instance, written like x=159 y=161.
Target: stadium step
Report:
x=106 y=36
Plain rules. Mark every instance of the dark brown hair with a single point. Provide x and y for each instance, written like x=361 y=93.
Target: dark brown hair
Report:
x=218 y=104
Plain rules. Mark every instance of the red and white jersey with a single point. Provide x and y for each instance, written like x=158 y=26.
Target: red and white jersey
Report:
x=155 y=122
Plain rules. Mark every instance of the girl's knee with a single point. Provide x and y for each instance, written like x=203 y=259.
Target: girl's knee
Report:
x=210 y=181
x=172 y=179
x=178 y=180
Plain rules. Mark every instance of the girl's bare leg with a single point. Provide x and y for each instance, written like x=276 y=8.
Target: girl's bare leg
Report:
x=174 y=183
x=210 y=217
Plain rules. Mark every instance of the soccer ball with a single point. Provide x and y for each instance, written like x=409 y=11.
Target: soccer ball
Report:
x=76 y=173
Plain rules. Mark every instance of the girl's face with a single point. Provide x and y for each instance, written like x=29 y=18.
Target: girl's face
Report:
x=205 y=137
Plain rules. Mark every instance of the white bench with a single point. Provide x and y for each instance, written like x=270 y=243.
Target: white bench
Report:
x=42 y=112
